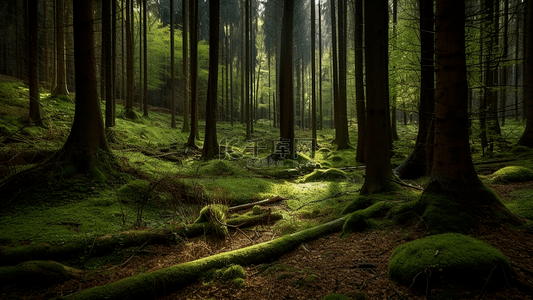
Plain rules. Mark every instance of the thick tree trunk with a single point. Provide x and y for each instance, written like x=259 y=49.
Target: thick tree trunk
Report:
x=527 y=137
x=33 y=59
x=335 y=84
x=87 y=136
x=341 y=118
x=210 y=148
x=377 y=160
x=421 y=159
x=286 y=127
x=61 y=72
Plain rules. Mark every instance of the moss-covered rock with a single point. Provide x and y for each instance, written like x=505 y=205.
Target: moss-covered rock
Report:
x=33 y=273
x=326 y=175
x=513 y=174
x=448 y=258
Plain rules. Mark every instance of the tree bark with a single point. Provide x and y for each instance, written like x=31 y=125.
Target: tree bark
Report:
x=33 y=59
x=61 y=73
x=145 y=60
x=286 y=97
x=378 y=165
x=185 y=53
x=210 y=148
x=129 y=58
x=359 y=82
x=421 y=159
x=172 y=70
x=527 y=137
x=193 y=18
x=87 y=136
x=313 y=79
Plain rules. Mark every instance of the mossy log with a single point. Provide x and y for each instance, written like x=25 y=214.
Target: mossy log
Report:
x=10 y=256
x=158 y=283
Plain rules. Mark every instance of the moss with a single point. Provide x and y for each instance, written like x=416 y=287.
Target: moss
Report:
x=444 y=214
x=356 y=222
x=233 y=272
x=239 y=282
x=361 y=202
x=336 y=297
x=513 y=174
x=446 y=258
x=257 y=210
x=33 y=273
x=325 y=175
x=153 y=284
x=133 y=191
x=520 y=150
x=215 y=214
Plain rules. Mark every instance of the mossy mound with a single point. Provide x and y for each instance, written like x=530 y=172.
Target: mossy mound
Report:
x=521 y=150
x=444 y=214
x=215 y=214
x=513 y=174
x=133 y=190
x=33 y=273
x=326 y=175
x=449 y=258
x=234 y=274
x=356 y=222
x=336 y=297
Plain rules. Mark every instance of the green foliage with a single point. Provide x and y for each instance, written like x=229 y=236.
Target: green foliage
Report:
x=513 y=174
x=448 y=257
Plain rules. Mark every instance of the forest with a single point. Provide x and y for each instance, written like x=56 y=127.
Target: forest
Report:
x=266 y=149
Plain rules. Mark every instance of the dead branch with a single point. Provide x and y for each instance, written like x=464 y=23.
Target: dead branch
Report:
x=262 y=202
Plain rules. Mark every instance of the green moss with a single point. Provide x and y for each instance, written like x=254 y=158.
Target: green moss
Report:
x=31 y=273
x=325 y=175
x=361 y=202
x=336 y=297
x=448 y=257
x=356 y=222
x=215 y=214
x=444 y=214
x=258 y=210
x=133 y=190
x=521 y=150
x=513 y=174
x=233 y=272
x=239 y=282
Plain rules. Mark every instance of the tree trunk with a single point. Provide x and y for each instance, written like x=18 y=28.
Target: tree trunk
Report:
x=247 y=59
x=129 y=58
x=172 y=70
x=193 y=17
x=185 y=50
x=33 y=59
x=527 y=137
x=359 y=83
x=210 y=148
x=108 y=62
x=87 y=136
x=145 y=60
x=61 y=73
x=419 y=162
x=321 y=119
x=335 y=84
x=378 y=165
x=313 y=80
x=286 y=97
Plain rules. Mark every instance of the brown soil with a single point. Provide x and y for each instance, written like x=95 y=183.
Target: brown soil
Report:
x=357 y=263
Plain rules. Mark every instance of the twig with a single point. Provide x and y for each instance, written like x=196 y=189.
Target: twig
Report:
x=124 y=263
x=398 y=293
x=327 y=198
x=485 y=285
x=404 y=184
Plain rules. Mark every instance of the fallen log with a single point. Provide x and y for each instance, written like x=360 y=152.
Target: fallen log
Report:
x=262 y=202
x=162 y=282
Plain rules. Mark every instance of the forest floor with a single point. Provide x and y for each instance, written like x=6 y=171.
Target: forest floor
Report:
x=64 y=211
x=355 y=266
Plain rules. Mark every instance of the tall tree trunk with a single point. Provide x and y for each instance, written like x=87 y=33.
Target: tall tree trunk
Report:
x=185 y=53
x=108 y=62
x=87 y=136
x=172 y=70
x=33 y=59
x=505 y=55
x=286 y=97
x=61 y=73
x=359 y=82
x=527 y=137
x=193 y=17
x=342 y=117
x=321 y=119
x=394 y=96
x=421 y=159
x=335 y=85
x=313 y=79
x=145 y=60
x=247 y=116
x=210 y=148
x=129 y=56
x=377 y=160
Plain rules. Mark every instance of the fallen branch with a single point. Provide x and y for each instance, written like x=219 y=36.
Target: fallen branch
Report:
x=162 y=282
x=262 y=202
x=327 y=198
